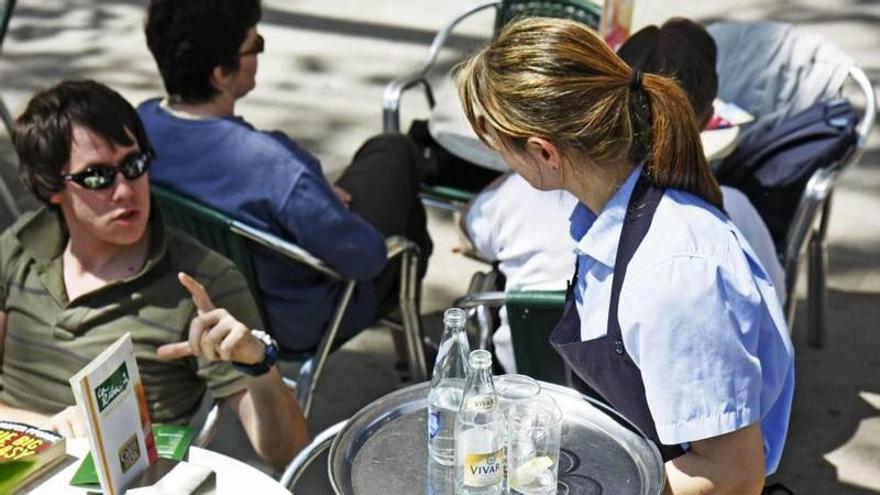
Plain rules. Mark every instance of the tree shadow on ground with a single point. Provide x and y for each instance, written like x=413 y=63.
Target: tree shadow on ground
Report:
x=827 y=407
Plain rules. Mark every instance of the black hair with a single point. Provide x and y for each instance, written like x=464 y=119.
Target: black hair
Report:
x=189 y=38
x=42 y=134
x=680 y=49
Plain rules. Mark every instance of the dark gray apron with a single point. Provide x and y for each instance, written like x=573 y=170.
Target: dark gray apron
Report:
x=603 y=363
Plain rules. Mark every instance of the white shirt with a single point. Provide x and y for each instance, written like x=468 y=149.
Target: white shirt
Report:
x=526 y=231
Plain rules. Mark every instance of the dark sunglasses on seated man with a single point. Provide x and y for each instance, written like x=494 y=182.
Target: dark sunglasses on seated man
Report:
x=104 y=176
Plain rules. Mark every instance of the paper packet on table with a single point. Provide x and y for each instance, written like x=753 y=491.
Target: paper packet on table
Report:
x=167 y=477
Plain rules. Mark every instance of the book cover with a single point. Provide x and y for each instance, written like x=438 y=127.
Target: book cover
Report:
x=26 y=453
x=172 y=443
x=111 y=394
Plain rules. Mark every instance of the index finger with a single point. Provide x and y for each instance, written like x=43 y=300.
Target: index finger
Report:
x=199 y=294
x=176 y=350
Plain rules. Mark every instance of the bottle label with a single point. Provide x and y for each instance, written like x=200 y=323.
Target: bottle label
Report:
x=482 y=470
x=433 y=424
x=481 y=403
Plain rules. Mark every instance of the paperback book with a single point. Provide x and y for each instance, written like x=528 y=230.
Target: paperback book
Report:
x=111 y=394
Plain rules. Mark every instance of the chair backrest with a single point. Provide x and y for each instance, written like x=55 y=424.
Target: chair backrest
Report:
x=212 y=228
x=584 y=11
x=532 y=316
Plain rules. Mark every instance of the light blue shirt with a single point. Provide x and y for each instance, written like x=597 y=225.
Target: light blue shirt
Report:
x=699 y=317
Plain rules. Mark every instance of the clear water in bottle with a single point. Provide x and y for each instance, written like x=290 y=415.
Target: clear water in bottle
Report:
x=443 y=404
x=447 y=386
x=479 y=433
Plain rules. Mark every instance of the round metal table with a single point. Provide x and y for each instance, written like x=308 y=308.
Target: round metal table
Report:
x=383 y=450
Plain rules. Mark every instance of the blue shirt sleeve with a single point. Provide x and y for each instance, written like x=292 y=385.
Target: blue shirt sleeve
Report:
x=327 y=229
x=692 y=326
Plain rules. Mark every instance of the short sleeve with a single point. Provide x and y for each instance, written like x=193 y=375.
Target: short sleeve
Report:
x=7 y=249
x=692 y=326
x=230 y=291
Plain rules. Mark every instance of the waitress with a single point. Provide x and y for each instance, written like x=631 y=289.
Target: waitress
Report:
x=671 y=318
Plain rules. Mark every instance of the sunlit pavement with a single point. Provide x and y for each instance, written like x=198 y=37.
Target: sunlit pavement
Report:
x=321 y=80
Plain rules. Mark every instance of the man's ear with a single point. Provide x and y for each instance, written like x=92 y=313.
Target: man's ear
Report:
x=219 y=78
x=55 y=198
x=544 y=153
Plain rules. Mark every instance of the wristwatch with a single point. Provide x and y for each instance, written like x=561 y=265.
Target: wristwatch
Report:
x=269 y=357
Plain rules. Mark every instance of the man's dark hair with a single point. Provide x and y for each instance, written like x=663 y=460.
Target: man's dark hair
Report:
x=42 y=134
x=189 y=38
x=681 y=49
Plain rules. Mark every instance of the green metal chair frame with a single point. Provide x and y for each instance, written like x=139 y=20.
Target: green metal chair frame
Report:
x=237 y=241
x=5 y=17
x=584 y=11
x=531 y=316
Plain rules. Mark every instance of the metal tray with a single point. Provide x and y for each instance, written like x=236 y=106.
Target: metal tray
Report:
x=383 y=450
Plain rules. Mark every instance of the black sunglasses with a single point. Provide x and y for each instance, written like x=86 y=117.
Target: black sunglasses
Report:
x=259 y=47
x=104 y=176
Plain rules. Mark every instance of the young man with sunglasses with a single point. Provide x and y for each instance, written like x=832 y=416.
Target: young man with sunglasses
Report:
x=206 y=52
x=97 y=263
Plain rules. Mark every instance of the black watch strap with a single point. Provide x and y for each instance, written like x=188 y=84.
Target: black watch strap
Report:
x=269 y=358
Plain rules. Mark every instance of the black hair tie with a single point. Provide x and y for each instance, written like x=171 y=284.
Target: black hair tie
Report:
x=636 y=83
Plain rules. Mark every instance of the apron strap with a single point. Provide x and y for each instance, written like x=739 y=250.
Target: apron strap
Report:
x=639 y=213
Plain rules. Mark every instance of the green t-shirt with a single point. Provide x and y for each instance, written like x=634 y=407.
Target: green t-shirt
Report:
x=49 y=338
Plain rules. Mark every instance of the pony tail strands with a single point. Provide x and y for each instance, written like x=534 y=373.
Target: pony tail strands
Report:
x=676 y=155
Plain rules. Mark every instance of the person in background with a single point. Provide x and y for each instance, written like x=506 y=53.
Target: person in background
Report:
x=693 y=347
x=206 y=52
x=683 y=50
x=96 y=262
x=525 y=229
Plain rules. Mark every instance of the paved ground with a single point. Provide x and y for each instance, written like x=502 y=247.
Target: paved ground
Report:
x=321 y=80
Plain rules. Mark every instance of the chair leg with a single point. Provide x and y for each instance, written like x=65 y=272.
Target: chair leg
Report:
x=410 y=314
x=311 y=370
x=6 y=116
x=303 y=382
x=209 y=427
x=816 y=292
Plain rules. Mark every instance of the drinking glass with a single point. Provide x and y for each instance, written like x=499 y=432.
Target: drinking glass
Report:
x=512 y=388
x=534 y=428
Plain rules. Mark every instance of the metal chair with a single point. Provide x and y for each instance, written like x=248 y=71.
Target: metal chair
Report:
x=585 y=11
x=237 y=240
x=5 y=17
x=809 y=229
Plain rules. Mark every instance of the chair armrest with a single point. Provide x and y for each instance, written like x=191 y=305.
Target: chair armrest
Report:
x=285 y=248
x=495 y=298
x=394 y=90
x=397 y=245
x=867 y=123
x=308 y=454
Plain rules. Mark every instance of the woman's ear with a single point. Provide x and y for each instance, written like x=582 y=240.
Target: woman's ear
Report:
x=544 y=153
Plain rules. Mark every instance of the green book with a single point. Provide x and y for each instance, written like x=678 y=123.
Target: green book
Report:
x=172 y=442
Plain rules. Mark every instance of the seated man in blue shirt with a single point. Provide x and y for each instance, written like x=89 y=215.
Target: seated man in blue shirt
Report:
x=206 y=51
